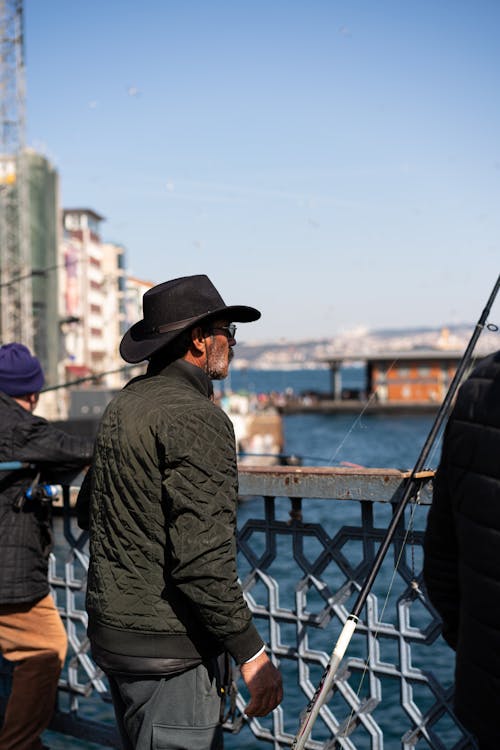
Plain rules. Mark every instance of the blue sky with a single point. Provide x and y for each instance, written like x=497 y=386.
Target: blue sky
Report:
x=335 y=164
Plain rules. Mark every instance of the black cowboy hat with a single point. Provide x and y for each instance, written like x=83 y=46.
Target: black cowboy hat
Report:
x=173 y=307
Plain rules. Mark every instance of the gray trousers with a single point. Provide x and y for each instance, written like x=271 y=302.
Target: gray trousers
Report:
x=178 y=712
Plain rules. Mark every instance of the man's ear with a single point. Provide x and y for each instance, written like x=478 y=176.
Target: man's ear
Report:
x=198 y=340
x=33 y=399
x=28 y=401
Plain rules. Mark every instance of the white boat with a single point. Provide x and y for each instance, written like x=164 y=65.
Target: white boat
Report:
x=258 y=429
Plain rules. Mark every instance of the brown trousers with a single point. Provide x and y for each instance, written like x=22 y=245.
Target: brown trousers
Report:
x=32 y=635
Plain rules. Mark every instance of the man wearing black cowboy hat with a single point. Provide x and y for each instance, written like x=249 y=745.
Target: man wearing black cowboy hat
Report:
x=163 y=596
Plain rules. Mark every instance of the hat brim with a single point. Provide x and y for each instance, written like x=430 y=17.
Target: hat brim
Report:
x=138 y=345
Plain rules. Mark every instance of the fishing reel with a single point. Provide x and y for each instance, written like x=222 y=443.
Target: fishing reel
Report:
x=41 y=493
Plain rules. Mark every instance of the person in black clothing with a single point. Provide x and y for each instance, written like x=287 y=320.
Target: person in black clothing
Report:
x=32 y=635
x=462 y=549
x=163 y=595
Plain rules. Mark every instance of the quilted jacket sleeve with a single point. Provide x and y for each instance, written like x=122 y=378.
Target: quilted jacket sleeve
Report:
x=440 y=555
x=200 y=483
x=57 y=454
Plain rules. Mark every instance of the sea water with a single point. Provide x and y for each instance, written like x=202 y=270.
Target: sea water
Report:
x=372 y=441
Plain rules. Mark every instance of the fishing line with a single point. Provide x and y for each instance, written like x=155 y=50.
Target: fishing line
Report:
x=360 y=415
x=414 y=587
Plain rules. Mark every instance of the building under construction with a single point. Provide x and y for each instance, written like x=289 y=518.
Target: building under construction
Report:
x=29 y=251
x=28 y=211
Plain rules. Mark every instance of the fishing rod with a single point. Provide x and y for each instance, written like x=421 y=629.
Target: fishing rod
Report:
x=39 y=272
x=413 y=484
x=87 y=379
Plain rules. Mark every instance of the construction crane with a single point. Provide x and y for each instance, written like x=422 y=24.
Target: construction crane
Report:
x=16 y=318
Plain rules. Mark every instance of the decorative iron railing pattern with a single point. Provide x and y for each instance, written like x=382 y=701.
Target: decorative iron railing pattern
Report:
x=306 y=542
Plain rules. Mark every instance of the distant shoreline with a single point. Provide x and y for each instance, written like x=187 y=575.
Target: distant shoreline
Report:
x=354 y=406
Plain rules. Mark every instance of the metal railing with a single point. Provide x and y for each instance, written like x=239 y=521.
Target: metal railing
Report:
x=306 y=540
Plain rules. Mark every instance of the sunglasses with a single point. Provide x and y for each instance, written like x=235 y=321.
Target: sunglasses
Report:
x=229 y=330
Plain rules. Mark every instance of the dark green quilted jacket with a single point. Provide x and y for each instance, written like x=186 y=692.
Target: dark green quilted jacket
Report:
x=162 y=580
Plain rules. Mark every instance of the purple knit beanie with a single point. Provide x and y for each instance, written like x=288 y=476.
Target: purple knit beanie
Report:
x=20 y=371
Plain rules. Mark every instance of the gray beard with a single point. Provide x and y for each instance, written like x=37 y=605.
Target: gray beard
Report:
x=216 y=370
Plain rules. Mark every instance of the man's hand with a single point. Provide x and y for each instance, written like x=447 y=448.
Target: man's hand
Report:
x=265 y=685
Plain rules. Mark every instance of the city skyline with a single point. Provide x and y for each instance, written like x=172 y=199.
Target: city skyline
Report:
x=336 y=166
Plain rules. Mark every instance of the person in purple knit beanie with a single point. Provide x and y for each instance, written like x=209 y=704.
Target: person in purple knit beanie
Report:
x=32 y=635
x=20 y=371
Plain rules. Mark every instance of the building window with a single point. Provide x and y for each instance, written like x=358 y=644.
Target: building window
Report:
x=95 y=285
x=97 y=309
x=93 y=224
x=72 y=221
x=96 y=332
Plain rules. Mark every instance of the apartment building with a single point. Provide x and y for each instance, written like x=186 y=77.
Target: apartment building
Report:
x=82 y=294
x=98 y=303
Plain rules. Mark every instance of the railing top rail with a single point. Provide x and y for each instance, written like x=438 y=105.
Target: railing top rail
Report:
x=324 y=482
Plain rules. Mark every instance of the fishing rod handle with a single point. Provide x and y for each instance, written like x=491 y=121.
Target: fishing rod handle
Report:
x=13 y=465
x=314 y=707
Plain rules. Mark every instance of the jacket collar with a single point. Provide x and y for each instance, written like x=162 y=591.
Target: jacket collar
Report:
x=180 y=369
x=10 y=402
